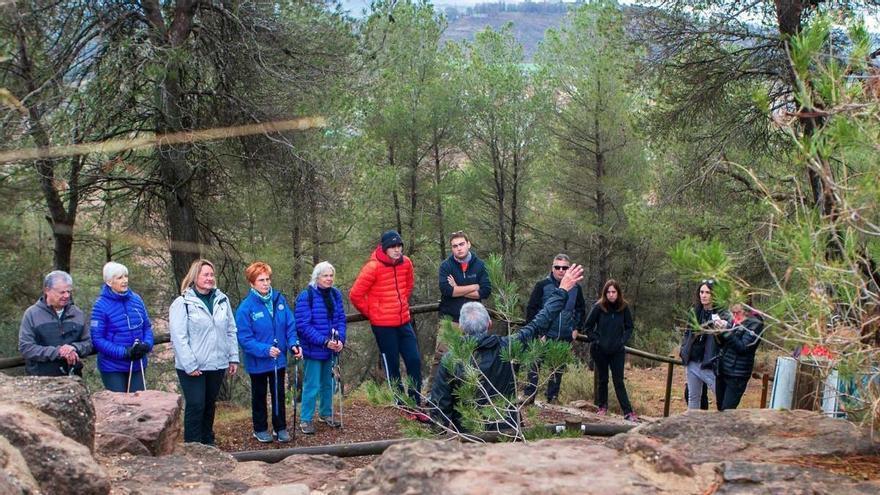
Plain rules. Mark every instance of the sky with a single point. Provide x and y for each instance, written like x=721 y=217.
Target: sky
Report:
x=355 y=7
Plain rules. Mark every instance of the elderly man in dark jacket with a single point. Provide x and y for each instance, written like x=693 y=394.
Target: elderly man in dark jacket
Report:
x=497 y=376
x=53 y=338
x=738 y=347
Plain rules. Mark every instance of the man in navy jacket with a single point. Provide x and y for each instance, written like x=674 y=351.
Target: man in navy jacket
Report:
x=462 y=278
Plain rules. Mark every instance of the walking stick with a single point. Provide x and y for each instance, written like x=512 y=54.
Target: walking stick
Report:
x=143 y=376
x=387 y=374
x=131 y=369
x=275 y=392
x=295 y=389
x=336 y=374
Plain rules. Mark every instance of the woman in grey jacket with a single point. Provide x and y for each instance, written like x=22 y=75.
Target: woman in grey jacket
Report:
x=203 y=333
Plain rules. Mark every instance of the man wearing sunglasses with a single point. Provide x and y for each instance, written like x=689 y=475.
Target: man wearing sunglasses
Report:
x=570 y=319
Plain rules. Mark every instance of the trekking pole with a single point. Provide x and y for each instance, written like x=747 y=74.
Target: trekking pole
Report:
x=131 y=368
x=295 y=389
x=275 y=392
x=143 y=376
x=336 y=375
x=387 y=373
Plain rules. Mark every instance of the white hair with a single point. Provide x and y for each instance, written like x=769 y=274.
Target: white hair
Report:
x=473 y=319
x=320 y=269
x=113 y=269
x=55 y=276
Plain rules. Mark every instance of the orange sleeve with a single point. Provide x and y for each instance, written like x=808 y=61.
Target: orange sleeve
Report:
x=362 y=285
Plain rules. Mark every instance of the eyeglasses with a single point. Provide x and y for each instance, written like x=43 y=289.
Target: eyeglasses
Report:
x=561 y=267
x=708 y=281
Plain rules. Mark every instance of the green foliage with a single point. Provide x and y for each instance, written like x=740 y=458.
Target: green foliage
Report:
x=505 y=292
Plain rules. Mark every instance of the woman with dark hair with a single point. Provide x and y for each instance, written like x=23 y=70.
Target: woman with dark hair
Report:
x=610 y=326
x=699 y=348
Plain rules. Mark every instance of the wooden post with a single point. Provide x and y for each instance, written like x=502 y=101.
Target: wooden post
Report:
x=765 y=385
x=669 y=369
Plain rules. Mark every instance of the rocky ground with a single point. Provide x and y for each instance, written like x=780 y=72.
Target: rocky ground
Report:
x=56 y=438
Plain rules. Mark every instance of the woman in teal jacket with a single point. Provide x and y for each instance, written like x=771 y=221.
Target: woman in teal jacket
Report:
x=266 y=331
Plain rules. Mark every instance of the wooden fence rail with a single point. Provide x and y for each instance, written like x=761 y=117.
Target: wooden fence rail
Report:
x=163 y=338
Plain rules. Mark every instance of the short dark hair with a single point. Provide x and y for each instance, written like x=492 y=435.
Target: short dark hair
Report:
x=457 y=234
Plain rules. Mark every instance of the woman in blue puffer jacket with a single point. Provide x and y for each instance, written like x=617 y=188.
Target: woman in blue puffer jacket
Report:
x=320 y=323
x=121 y=332
x=266 y=331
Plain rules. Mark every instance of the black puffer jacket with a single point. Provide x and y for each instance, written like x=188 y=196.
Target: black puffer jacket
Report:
x=611 y=330
x=738 y=347
x=498 y=374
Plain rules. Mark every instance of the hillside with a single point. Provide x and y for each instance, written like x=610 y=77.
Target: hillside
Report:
x=528 y=27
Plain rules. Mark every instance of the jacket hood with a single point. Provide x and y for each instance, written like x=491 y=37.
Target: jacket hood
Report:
x=380 y=256
x=486 y=341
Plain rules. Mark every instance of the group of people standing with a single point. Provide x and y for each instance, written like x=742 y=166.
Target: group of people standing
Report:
x=207 y=334
x=718 y=350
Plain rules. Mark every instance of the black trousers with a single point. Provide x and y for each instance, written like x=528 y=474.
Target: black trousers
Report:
x=729 y=390
x=615 y=362
x=553 y=383
x=263 y=384
x=200 y=401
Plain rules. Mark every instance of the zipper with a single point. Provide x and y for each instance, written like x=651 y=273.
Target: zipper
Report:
x=399 y=300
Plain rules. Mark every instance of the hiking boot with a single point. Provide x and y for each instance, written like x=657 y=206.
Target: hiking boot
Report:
x=307 y=427
x=283 y=436
x=603 y=411
x=328 y=420
x=631 y=417
x=263 y=436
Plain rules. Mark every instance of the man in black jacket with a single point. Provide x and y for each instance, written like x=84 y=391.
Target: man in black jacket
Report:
x=570 y=319
x=497 y=376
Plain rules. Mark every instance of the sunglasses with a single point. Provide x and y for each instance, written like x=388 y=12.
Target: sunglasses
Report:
x=561 y=267
x=708 y=281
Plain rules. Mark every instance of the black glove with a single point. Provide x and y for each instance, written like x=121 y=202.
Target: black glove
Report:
x=138 y=350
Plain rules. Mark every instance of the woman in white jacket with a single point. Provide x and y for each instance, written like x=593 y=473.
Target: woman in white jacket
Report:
x=203 y=333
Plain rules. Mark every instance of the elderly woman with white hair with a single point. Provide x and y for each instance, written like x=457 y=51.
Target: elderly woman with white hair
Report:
x=320 y=324
x=121 y=332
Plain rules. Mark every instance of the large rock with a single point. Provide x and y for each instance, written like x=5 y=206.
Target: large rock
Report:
x=736 y=452
x=196 y=469
x=59 y=464
x=64 y=398
x=15 y=477
x=746 y=478
x=752 y=435
x=549 y=466
x=150 y=418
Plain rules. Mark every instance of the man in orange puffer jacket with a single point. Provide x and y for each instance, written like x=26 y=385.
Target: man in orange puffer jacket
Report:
x=381 y=293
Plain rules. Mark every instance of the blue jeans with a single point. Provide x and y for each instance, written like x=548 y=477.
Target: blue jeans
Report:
x=317 y=383
x=397 y=342
x=118 y=381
